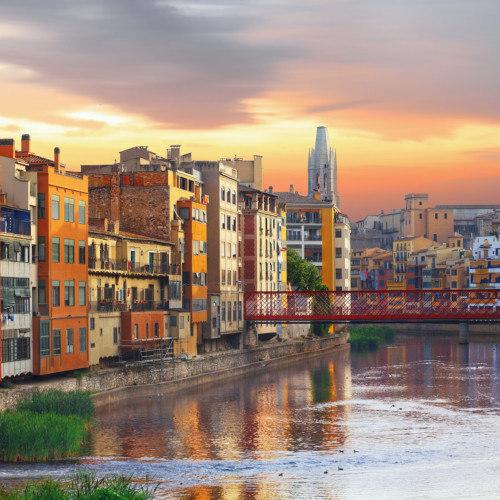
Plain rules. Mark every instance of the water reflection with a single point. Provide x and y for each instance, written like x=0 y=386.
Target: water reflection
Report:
x=421 y=414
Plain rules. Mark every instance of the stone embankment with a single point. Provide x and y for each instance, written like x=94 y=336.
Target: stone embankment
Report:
x=114 y=384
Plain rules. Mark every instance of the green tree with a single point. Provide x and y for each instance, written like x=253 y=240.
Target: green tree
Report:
x=303 y=275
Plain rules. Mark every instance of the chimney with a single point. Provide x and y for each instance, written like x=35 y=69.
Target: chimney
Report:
x=7 y=148
x=291 y=188
x=271 y=189
x=57 y=163
x=115 y=194
x=25 y=143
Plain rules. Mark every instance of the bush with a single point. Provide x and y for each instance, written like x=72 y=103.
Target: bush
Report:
x=27 y=436
x=84 y=485
x=76 y=403
x=369 y=338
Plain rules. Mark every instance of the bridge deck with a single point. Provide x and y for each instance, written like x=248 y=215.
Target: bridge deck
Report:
x=374 y=306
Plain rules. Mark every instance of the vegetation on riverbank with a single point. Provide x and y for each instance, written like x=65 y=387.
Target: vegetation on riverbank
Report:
x=46 y=425
x=83 y=485
x=369 y=338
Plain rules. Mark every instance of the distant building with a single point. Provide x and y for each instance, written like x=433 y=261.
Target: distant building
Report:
x=485 y=268
x=322 y=169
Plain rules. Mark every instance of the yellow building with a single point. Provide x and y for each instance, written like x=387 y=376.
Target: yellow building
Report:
x=401 y=252
x=321 y=235
x=133 y=282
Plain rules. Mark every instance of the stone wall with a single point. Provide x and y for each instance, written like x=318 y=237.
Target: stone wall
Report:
x=118 y=383
x=145 y=210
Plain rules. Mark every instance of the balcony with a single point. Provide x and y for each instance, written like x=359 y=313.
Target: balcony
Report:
x=110 y=305
x=122 y=265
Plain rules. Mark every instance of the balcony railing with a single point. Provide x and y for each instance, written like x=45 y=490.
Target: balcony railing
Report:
x=110 y=305
x=133 y=267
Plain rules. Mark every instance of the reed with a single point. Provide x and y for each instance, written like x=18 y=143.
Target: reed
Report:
x=29 y=437
x=83 y=485
x=76 y=403
x=369 y=338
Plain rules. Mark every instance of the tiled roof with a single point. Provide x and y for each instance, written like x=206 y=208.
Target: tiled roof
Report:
x=298 y=199
x=32 y=159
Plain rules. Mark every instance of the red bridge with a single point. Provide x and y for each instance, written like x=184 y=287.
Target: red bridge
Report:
x=427 y=306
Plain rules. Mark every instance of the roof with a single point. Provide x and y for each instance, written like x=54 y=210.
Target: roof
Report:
x=123 y=234
x=33 y=159
x=297 y=199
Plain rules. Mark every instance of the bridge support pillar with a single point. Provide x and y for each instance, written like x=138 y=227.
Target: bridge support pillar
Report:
x=463 y=333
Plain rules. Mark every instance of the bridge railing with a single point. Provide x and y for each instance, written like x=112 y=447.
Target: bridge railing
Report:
x=368 y=306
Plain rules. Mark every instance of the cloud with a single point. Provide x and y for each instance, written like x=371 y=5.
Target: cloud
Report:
x=145 y=57
x=198 y=63
x=489 y=154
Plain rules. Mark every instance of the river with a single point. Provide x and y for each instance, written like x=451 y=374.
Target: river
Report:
x=416 y=419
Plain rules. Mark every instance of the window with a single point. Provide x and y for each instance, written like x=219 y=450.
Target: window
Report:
x=147 y=330
x=44 y=338
x=81 y=212
x=234 y=197
x=338 y=253
x=196 y=247
x=419 y=216
x=41 y=248
x=186 y=278
x=338 y=233
x=173 y=320
x=445 y=216
x=222 y=193
x=435 y=237
x=41 y=292
x=69 y=209
x=56 y=342
x=92 y=323
x=55 y=249
x=69 y=251
x=69 y=341
x=81 y=293
x=338 y=274
x=69 y=293
x=157 y=330
x=234 y=224
x=240 y=311
x=223 y=312
x=115 y=335
x=81 y=252
x=41 y=205
x=136 y=331
x=17 y=349
x=82 y=334
x=223 y=277
x=234 y=250
x=55 y=207
x=181 y=325
x=436 y=216
x=228 y=222
x=56 y=293
x=234 y=310
x=223 y=249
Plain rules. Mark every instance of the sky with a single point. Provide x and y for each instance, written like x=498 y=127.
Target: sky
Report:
x=409 y=90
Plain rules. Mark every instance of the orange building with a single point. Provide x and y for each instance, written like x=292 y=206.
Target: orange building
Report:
x=60 y=330
x=194 y=271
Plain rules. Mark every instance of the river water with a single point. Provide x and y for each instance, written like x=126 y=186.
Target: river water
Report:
x=417 y=419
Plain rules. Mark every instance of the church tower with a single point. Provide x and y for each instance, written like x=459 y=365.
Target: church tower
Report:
x=322 y=169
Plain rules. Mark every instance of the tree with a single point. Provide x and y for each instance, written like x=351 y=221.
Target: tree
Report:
x=303 y=275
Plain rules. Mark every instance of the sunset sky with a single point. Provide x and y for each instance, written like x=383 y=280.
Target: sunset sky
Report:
x=409 y=90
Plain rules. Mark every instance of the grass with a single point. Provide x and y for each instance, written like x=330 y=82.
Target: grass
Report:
x=29 y=437
x=83 y=485
x=369 y=338
x=62 y=403
x=47 y=425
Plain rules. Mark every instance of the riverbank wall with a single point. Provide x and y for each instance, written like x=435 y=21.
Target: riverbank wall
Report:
x=115 y=384
x=445 y=329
